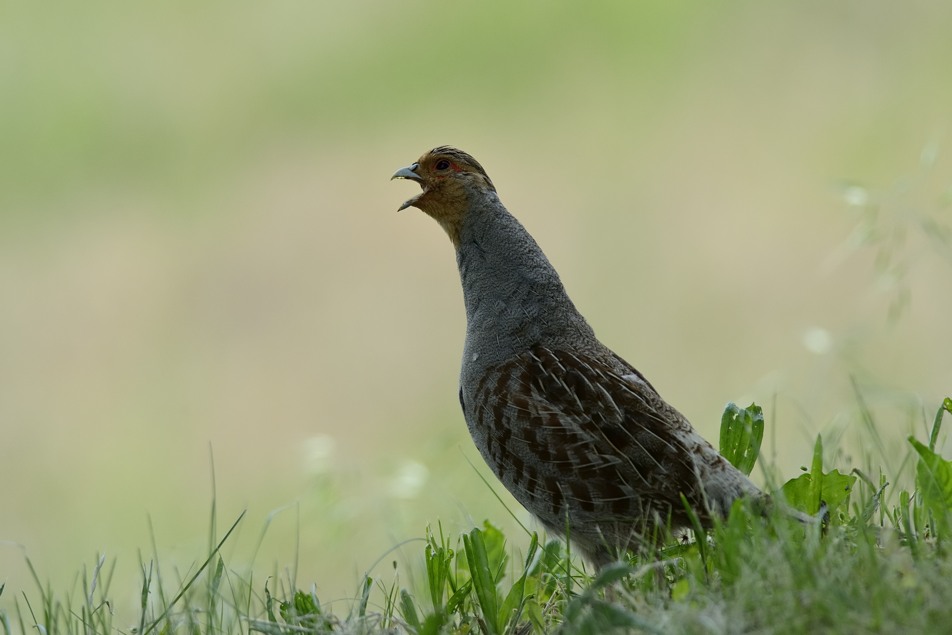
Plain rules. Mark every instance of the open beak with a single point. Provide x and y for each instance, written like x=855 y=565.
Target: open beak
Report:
x=409 y=173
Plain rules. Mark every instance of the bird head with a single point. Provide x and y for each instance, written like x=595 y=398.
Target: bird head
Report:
x=449 y=179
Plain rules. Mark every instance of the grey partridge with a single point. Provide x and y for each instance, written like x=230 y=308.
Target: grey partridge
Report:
x=578 y=436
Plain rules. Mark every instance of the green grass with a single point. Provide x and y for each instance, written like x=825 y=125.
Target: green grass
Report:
x=880 y=562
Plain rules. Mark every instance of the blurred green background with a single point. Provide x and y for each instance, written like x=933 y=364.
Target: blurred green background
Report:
x=199 y=248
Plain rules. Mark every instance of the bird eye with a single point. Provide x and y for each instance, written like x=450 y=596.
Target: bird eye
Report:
x=442 y=164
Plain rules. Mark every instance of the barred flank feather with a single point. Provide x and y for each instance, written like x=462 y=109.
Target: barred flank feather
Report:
x=577 y=442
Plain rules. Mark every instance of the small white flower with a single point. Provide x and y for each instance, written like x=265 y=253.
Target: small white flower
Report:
x=856 y=196
x=319 y=453
x=818 y=340
x=409 y=479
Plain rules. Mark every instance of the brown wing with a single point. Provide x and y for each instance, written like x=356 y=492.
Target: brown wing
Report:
x=568 y=435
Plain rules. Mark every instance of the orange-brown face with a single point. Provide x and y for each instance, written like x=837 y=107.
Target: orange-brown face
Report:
x=447 y=177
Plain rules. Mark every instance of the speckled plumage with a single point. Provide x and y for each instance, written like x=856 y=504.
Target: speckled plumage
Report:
x=574 y=432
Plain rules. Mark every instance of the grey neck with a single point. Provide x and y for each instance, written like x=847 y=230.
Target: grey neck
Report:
x=514 y=298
